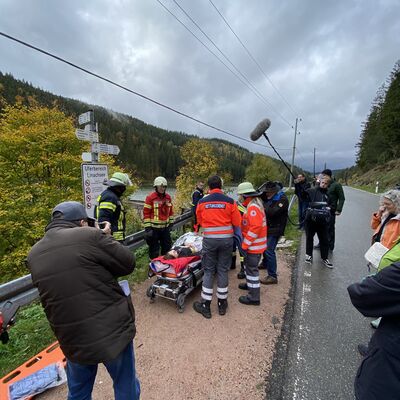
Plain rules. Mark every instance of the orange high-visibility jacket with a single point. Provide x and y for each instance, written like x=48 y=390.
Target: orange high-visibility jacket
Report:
x=254 y=228
x=217 y=214
x=157 y=211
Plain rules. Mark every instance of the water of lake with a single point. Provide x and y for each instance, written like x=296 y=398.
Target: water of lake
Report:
x=142 y=192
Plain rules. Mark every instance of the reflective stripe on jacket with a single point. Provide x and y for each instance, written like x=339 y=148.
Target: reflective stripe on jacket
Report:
x=110 y=208
x=254 y=228
x=157 y=211
x=217 y=214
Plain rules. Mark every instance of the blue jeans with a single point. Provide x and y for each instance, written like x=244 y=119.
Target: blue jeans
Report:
x=303 y=205
x=269 y=260
x=121 y=369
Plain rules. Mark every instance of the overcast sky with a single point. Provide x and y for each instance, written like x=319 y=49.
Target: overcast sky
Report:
x=325 y=59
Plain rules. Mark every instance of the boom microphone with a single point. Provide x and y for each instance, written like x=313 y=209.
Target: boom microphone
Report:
x=260 y=129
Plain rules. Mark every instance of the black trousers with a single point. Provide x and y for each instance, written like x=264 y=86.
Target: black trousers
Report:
x=311 y=229
x=160 y=238
x=331 y=231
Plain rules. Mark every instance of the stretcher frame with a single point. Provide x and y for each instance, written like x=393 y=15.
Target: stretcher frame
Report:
x=176 y=289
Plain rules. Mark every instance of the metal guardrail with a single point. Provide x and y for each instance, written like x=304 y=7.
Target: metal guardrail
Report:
x=21 y=291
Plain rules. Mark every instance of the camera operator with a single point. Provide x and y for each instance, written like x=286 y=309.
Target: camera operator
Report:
x=75 y=268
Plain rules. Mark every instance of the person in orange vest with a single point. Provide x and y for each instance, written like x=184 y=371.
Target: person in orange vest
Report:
x=158 y=219
x=254 y=231
x=219 y=217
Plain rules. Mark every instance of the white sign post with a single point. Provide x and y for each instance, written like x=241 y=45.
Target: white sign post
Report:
x=93 y=174
x=105 y=148
x=84 y=134
x=93 y=178
x=85 y=118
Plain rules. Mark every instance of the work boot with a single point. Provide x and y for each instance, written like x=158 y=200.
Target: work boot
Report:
x=269 y=280
x=203 y=308
x=222 y=306
x=243 y=286
x=233 y=263
x=245 y=300
x=241 y=274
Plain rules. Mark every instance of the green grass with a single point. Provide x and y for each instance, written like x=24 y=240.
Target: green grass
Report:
x=367 y=188
x=292 y=232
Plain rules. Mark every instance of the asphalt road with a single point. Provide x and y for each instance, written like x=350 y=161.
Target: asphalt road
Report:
x=322 y=357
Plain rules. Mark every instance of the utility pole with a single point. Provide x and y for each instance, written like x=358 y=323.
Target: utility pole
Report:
x=293 y=153
x=314 y=164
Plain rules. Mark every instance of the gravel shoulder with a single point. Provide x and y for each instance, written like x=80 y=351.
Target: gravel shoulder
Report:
x=185 y=356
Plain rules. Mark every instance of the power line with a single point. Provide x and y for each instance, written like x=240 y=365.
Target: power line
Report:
x=215 y=55
x=126 y=89
x=252 y=57
x=231 y=63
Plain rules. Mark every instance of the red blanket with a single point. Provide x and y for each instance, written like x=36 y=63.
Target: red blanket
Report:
x=177 y=264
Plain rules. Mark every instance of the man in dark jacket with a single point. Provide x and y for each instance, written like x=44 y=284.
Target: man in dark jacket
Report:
x=75 y=268
x=276 y=207
x=317 y=221
x=379 y=372
x=336 y=202
x=300 y=188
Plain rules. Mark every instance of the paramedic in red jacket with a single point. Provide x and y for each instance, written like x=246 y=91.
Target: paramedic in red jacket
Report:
x=158 y=219
x=254 y=231
x=219 y=217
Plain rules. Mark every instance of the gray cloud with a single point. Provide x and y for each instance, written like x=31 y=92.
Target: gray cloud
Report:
x=327 y=59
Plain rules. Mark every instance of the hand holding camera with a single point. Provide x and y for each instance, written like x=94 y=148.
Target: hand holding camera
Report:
x=105 y=227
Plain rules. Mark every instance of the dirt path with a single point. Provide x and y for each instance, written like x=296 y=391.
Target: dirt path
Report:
x=184 y=356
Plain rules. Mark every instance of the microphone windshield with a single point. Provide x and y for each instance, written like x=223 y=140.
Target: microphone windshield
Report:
x=260 y=129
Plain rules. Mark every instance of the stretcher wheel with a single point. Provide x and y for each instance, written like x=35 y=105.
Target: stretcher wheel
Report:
x=180 y=302
x=150 y=293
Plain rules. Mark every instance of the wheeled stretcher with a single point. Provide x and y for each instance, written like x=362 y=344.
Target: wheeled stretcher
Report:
x=178 y=277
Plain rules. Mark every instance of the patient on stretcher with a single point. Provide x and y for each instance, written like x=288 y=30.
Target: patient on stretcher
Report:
x=181 y=251
x=185 y=253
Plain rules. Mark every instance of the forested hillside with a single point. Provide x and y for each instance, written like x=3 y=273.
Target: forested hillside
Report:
x=378 y=155
x=148 y=150
x=380 y=136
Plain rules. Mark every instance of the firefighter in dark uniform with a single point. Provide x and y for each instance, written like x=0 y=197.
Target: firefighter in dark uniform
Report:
x=197 y=195
x=158 y=219
x=109 y=207
x=219 y=218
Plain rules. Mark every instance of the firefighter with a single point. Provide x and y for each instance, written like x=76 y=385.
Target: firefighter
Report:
x=254 y=231
x=197 y=195
x=158 y=219
x=109 y=207
x=219 y=218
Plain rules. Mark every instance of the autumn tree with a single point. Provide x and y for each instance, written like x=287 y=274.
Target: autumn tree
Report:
x=199 y=163
x=40 y=166
x=262 y=169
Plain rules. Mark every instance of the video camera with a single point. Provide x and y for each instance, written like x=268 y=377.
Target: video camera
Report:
x=7 y=318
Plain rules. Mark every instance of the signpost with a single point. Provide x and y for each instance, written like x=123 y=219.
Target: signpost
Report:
x=93 y=178
x=84 y=134
x=85 y=118
x=94 y=175
x=105 y=148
